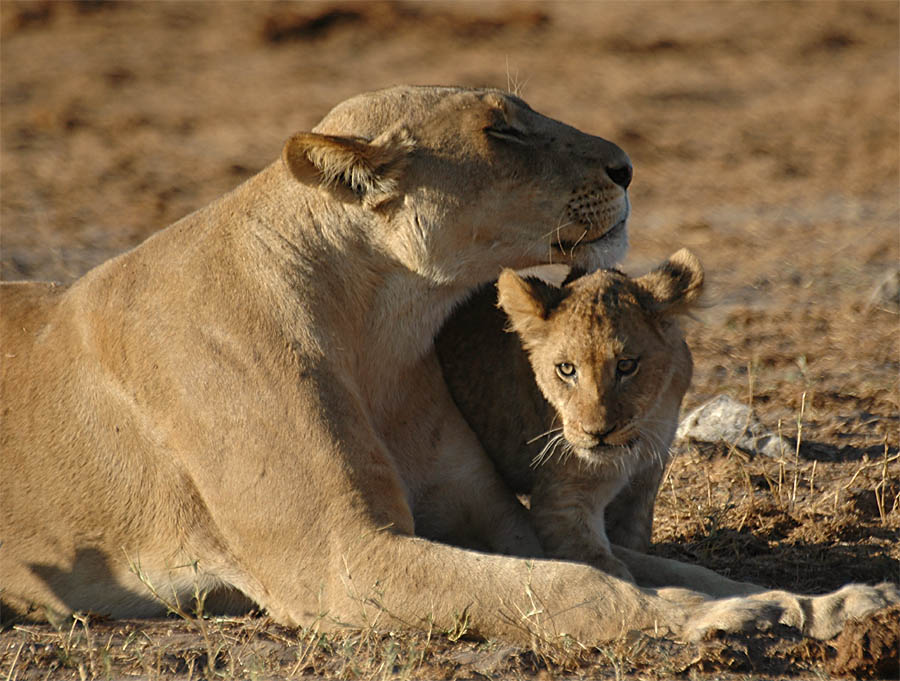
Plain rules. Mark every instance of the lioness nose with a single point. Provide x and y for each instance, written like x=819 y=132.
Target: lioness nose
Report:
x=621 y=175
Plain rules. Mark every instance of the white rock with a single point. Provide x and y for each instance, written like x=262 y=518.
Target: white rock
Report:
x=724 y=419
x=886 y=295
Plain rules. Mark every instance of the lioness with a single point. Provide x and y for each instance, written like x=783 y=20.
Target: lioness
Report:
x=250 y=399
x=611 y=368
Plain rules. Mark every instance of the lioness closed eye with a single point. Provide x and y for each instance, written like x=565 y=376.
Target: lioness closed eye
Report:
x=608 y=355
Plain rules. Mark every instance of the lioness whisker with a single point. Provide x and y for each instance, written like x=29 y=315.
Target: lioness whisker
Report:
x=557 y=229
x=579 y=239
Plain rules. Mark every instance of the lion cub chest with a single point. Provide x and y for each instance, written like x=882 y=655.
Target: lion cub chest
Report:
x=580 y=405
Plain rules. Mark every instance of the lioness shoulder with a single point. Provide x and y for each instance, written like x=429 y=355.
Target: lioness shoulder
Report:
x=584 y=410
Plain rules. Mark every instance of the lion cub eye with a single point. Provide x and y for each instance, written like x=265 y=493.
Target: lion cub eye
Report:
x=565 y=370
x=626 y=367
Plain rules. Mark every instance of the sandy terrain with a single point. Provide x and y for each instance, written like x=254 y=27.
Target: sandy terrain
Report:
x=766 y=137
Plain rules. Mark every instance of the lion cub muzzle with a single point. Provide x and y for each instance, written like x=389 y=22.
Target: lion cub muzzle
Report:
x=589 y=439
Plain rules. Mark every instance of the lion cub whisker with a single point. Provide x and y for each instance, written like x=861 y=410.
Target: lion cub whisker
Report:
x=544 y=434
x=549 y=449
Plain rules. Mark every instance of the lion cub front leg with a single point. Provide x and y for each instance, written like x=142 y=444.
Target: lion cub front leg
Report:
x=567 y=510
x=629 y=516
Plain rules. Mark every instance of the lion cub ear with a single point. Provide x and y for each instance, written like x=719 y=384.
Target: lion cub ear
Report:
x=527 y=302
x=674 y=286
x=348 y=167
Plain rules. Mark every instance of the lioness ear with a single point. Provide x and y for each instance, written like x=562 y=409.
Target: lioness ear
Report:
x=368 y=170
x=675 y=285
x=527 y=302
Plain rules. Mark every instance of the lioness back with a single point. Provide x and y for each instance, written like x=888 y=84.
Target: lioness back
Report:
x=579 y=409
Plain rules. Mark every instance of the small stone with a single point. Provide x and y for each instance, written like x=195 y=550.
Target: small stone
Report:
x=886 y=295
x=724 y=419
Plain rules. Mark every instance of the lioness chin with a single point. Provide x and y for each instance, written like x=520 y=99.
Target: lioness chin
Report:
x=250 y=400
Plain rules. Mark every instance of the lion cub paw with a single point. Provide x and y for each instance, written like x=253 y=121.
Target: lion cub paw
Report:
x=611 y=565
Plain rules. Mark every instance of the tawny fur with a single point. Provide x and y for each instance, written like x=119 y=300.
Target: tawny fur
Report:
x=249 y=400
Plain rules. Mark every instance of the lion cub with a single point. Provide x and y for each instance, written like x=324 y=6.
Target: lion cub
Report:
x=582 y=419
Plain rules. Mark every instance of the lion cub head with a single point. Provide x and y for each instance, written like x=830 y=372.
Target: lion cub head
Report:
x=606 y=350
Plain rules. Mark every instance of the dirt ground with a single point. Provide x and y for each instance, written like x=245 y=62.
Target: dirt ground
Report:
x=765 y=137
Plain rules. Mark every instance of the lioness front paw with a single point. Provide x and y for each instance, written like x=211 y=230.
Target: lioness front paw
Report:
x=824 y=616
x=820 y=617
x=732 y=615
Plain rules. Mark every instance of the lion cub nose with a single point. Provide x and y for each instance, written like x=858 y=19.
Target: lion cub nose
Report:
x=621 y=175
x=597 y=433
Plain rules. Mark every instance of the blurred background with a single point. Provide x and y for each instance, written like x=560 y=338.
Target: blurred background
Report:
x=764 y=136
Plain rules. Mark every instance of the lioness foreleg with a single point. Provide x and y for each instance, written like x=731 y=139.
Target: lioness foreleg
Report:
x=412 y=582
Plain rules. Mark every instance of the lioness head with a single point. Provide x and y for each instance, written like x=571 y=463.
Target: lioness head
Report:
x=606 y=348
x=465 y=181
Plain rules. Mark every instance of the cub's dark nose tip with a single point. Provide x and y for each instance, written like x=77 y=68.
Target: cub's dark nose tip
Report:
x=599 y=435
x=621 y=175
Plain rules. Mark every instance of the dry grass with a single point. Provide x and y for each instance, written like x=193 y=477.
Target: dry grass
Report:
x=798 y=521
